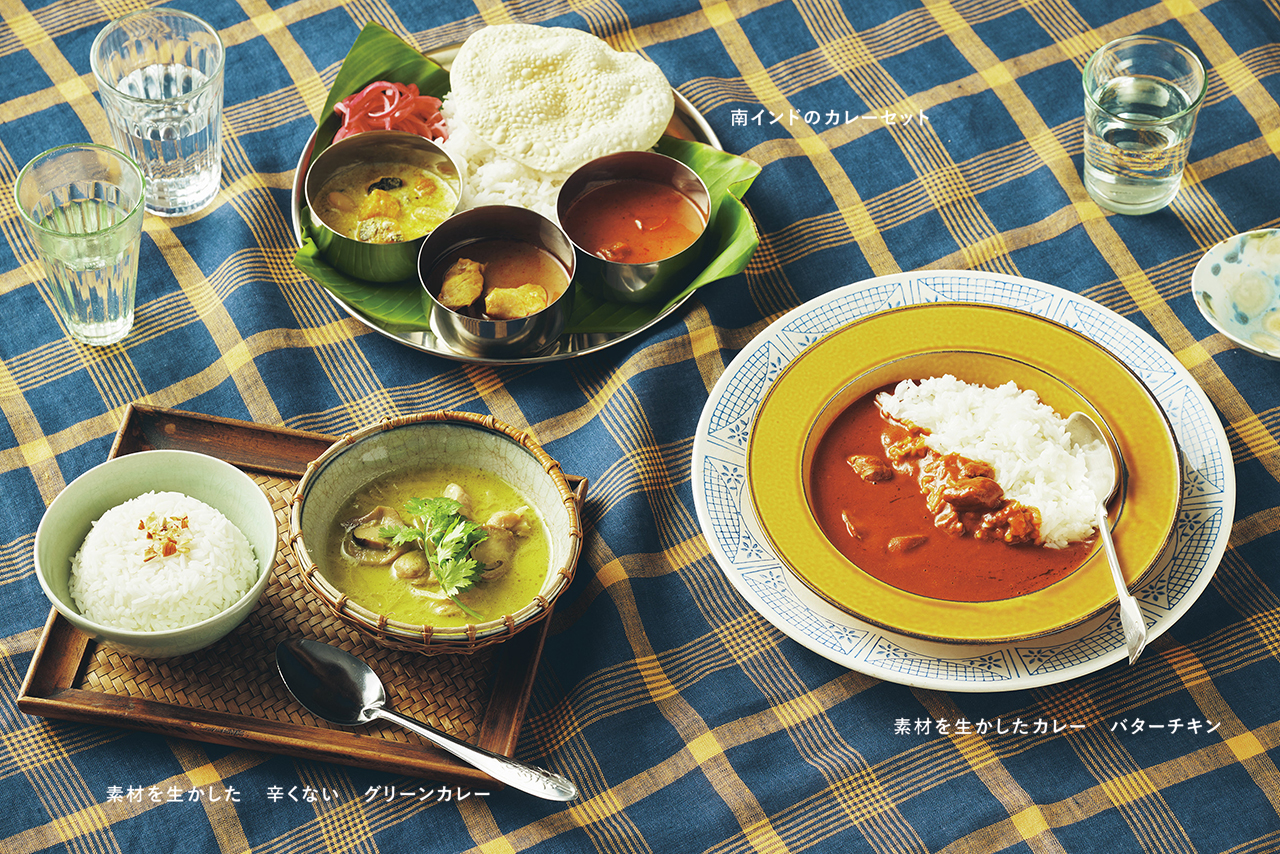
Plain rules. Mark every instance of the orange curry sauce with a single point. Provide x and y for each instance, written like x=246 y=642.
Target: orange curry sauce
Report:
x=634 y=221
x=960 y=551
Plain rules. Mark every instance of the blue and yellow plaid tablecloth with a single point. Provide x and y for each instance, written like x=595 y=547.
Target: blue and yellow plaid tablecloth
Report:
x=893 y=135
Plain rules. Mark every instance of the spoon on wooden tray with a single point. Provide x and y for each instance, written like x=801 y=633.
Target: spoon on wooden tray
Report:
x=340 y=688
x=1105 y=475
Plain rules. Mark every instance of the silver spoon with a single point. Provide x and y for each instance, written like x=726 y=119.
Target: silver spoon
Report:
x=1084 y=431
x=340 y=688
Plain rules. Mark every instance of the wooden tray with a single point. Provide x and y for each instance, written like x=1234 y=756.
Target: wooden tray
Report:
x=231 y=693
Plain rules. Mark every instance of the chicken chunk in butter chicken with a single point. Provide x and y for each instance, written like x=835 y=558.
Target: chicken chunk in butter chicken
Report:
x=962 y=494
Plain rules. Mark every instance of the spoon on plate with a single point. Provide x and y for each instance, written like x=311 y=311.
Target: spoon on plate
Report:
x=340 y=688
x=1105 y=476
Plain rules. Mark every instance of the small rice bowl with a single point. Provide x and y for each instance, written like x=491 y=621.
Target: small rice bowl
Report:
x=1023 y=439
x=119 y=579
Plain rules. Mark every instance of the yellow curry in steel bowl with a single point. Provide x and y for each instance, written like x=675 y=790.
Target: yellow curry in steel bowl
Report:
x=438 y=532
x=374 y=196
x=386 y=201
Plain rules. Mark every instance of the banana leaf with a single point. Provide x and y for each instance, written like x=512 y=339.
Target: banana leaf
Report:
x=379 y=54
x=396 y=307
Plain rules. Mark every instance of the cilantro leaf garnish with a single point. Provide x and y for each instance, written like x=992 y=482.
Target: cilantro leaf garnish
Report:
x=428 y=509
x=448 y=538
x=401 y=534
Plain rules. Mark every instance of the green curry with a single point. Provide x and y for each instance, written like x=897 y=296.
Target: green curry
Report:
x=441 y=547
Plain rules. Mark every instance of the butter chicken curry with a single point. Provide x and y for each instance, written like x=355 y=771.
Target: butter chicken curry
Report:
x=932 y=524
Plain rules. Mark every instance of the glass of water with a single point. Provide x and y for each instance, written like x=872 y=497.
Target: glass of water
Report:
x=159 y=74
x=1141 y=96
x=82 y=206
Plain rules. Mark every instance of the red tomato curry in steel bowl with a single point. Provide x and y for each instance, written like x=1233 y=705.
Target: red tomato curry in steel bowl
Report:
x=856 y=484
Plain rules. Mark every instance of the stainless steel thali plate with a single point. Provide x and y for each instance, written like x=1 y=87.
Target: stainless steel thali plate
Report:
x=570 y=345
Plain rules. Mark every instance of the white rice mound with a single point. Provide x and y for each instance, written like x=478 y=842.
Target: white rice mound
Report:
x=1023 y=439
x=492 y=178
x=112 y=584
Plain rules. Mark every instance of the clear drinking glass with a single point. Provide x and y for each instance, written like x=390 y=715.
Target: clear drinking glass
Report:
x=82 y=205
x=1141 y=96
x=159 y=75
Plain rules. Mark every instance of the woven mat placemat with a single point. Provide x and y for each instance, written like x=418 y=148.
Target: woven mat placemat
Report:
x=238 y=674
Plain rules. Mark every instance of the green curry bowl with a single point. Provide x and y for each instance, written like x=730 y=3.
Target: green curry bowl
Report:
x=441 y=532
x=157 y=604
x=374 y=196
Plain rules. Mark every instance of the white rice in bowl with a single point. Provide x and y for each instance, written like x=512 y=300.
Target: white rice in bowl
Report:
x=120 y=577
x=1023 y=439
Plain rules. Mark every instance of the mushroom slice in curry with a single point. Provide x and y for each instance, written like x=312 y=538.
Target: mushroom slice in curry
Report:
x=365 y=542
x=494 y=552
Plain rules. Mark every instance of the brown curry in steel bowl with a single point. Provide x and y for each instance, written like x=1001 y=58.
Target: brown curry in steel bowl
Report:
x=964 y=589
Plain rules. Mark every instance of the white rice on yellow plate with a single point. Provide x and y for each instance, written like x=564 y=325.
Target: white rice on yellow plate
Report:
x=124 y=576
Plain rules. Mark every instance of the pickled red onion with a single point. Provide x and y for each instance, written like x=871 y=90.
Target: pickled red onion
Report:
x=391 y=106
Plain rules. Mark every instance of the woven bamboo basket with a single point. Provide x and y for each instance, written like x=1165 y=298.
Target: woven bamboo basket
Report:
x=462 y=438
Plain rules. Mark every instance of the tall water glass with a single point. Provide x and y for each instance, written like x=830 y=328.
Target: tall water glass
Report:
x=159 y=75
x=1141 y=97
x=82 y=205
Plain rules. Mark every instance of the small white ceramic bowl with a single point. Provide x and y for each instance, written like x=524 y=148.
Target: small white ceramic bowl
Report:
x=1236 y=286
x=217 y=483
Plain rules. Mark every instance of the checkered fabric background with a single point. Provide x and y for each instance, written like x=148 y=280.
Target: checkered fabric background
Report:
x=689 y=722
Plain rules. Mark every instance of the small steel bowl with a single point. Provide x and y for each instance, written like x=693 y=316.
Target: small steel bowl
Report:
x=374 y=262
x=619 y=281
x=536 y=334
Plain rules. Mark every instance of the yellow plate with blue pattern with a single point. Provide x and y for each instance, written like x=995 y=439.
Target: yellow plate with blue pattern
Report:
x=977 y=343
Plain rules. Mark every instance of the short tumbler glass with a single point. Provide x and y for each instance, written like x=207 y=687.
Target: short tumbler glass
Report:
x=159 y=74
x=83 y=205
x=1141 y=96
